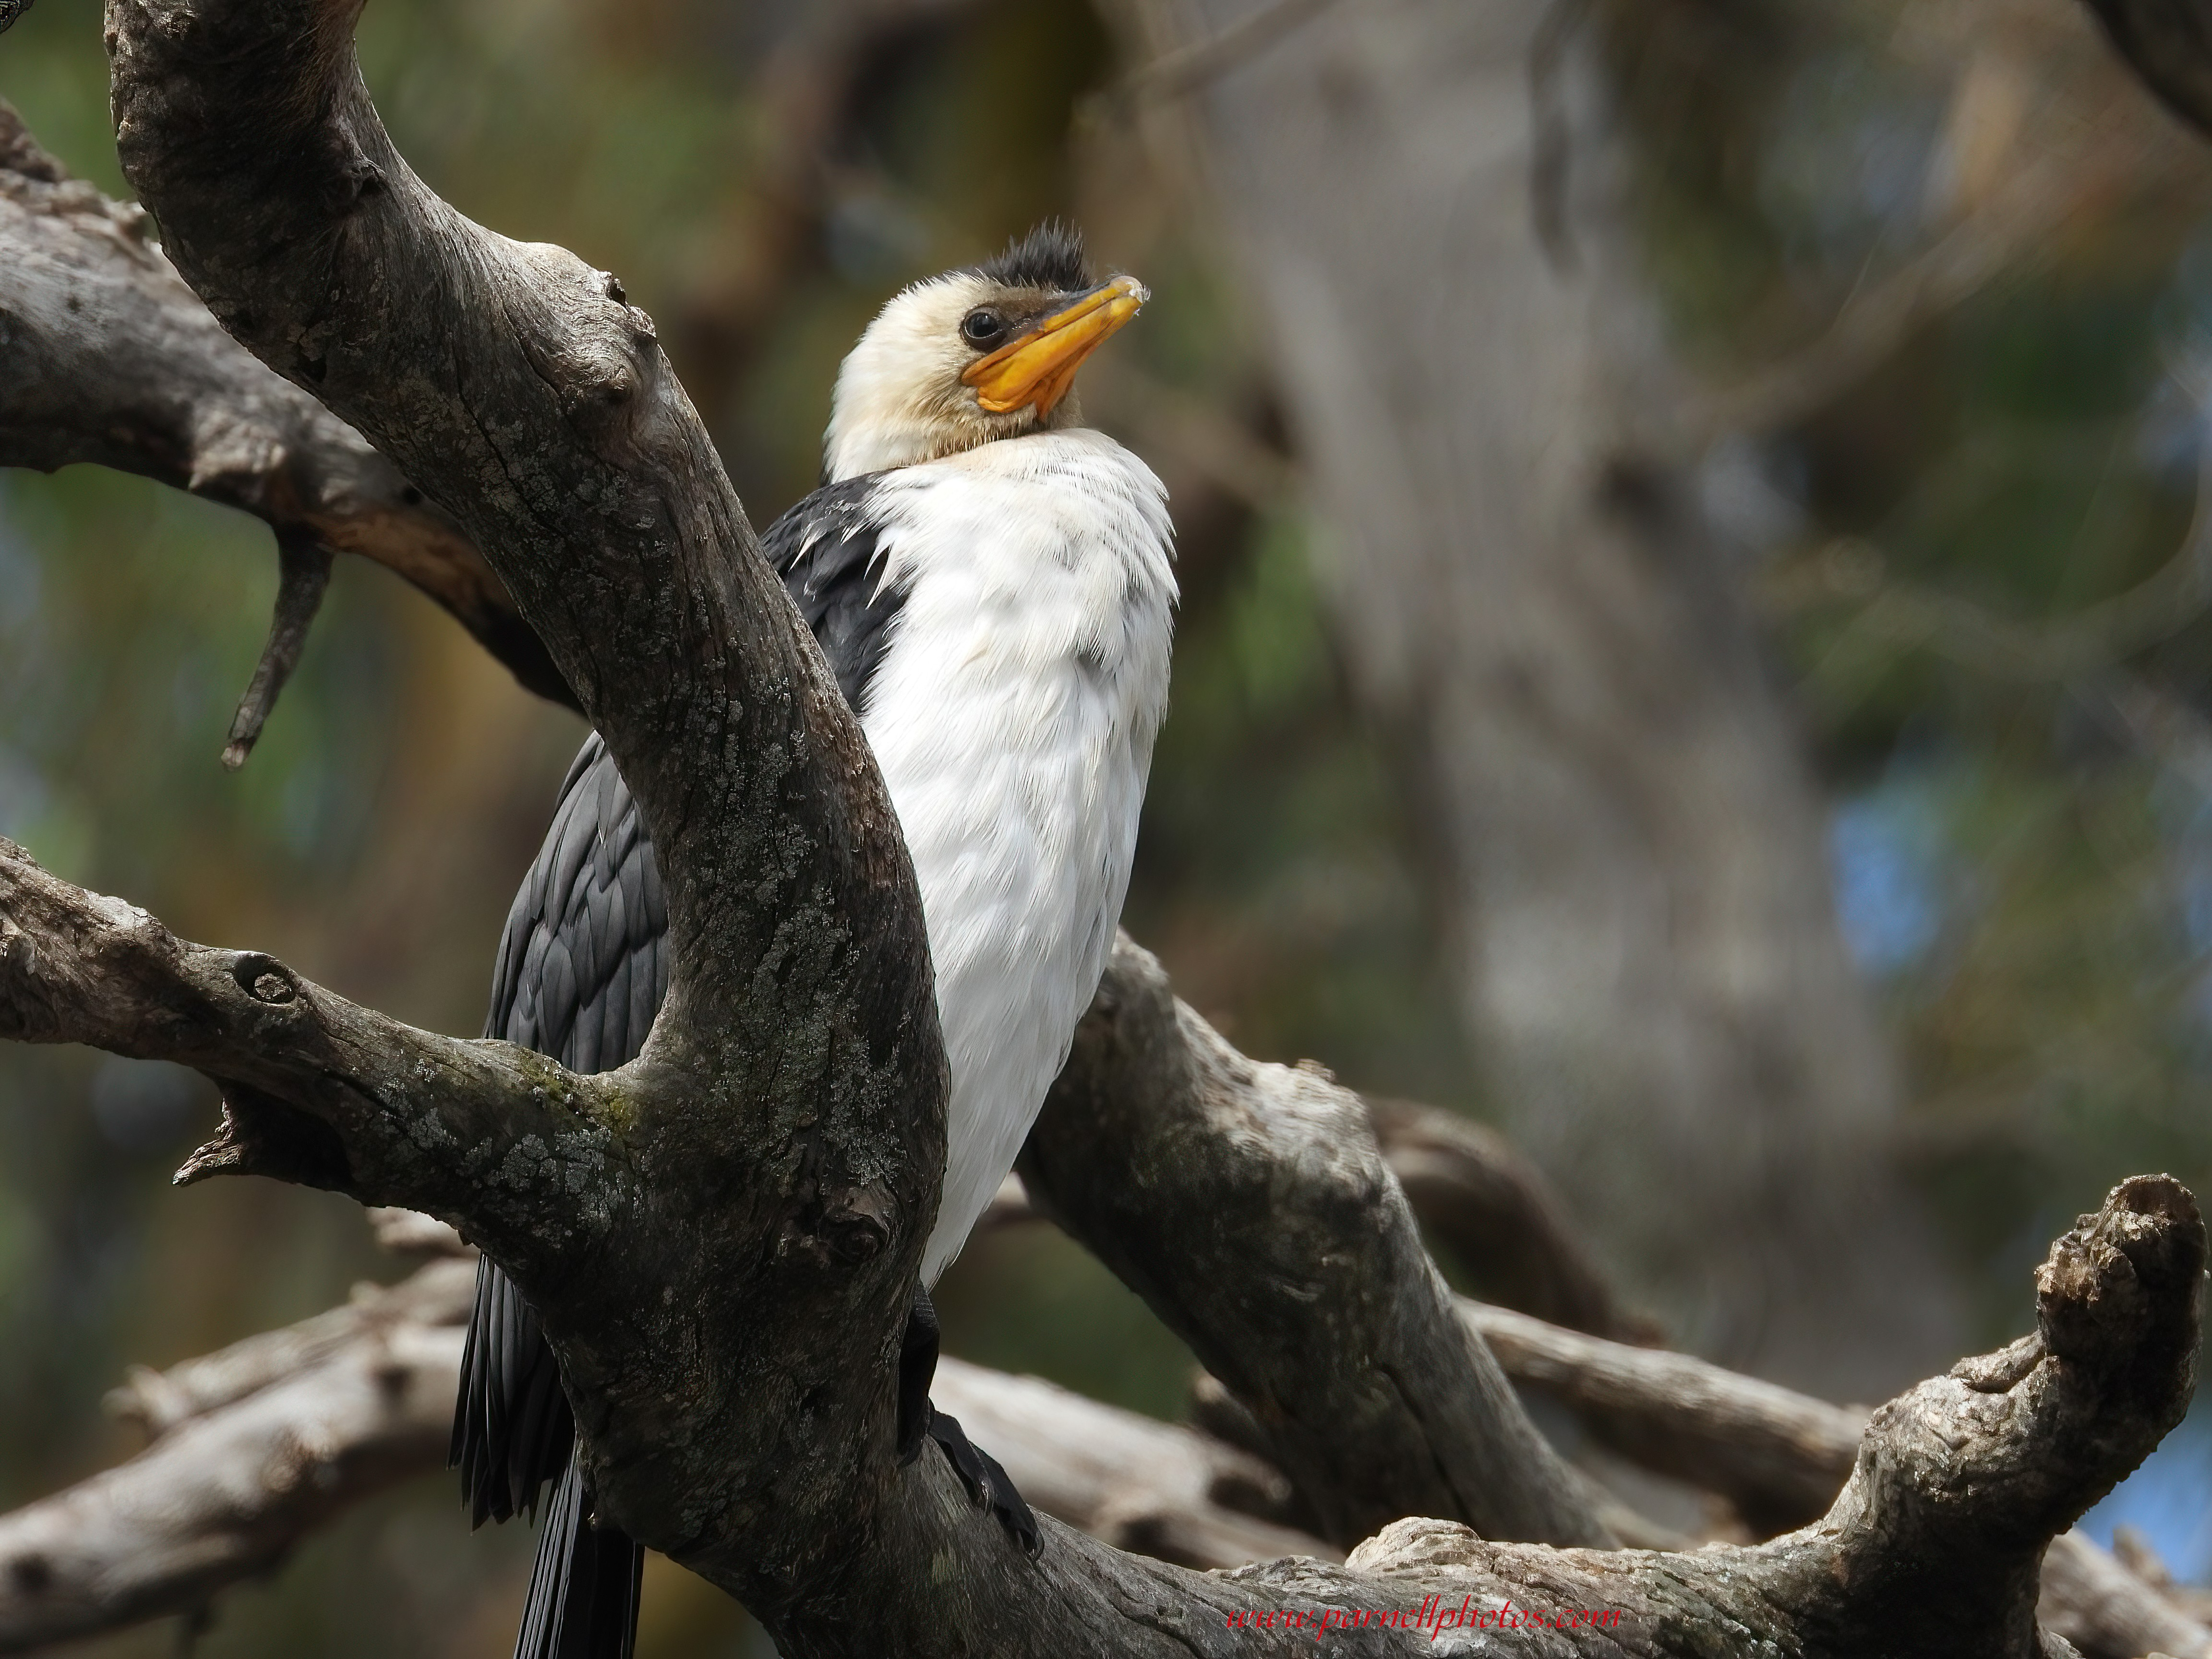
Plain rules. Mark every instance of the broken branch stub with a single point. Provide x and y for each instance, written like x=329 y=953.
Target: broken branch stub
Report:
x=107 y=358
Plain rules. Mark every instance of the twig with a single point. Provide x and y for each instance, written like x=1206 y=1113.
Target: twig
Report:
x=303 y=574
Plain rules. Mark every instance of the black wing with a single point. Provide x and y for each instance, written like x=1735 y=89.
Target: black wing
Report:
x=583 y=966
x=828 y=551
x=581 y=971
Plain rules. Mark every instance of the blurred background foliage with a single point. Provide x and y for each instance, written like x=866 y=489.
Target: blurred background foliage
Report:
x=1975 y=544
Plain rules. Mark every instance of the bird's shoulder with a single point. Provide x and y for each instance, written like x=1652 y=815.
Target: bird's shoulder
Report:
x=829 y=549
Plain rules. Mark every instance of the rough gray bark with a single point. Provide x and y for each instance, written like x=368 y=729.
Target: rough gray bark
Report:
x=1250 y=1207
x=106 y=356
x=720 y=1237
x=1651 y=962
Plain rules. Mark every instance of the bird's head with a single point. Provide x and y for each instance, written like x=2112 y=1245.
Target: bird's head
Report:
x=976 y=354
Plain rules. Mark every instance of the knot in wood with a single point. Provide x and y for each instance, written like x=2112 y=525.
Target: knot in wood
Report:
x=853 y=1236
x=358 y=178
x=31 y=1574
x=16 y=951
x=265 y=979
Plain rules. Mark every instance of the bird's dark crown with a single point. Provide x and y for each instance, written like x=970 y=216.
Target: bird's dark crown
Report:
x=1049 y=256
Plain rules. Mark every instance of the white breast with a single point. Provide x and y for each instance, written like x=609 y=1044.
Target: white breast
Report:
x=1013 y=713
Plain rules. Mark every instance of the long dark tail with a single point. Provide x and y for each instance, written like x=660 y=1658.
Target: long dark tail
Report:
x=513 y=1432
x=583 y=1585
x=512 y=1428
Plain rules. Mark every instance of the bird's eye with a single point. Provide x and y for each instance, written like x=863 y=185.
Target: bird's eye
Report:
x=983 y=328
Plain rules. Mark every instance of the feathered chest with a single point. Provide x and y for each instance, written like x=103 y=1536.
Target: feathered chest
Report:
x=1015 y=597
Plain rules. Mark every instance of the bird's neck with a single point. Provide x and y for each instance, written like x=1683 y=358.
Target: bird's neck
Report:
x=863 y=440
x=881 y=444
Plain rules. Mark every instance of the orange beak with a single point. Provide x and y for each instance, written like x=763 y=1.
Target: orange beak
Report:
x=1040 y=367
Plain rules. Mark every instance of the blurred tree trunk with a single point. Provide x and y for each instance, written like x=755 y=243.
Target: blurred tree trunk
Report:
x=1525 y=581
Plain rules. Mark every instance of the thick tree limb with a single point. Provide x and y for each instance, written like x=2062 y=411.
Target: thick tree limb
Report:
x=316 y=1090
x=106 y=357
x=1250 y=1207
x=1495 y=1210
x=223 y=1497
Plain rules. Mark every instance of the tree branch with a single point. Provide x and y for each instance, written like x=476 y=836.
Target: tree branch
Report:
x=1778 y=1457
x=1495 y=1210
x=316 y=1090
x=1250 y=1207
x=223 y=1497
x=106 y=357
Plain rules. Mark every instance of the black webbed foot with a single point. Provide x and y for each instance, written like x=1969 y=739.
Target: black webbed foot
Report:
x=987 y=1482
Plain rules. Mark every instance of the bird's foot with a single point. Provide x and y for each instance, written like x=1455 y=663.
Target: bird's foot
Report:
x=988 y=1484
x=919 y=1421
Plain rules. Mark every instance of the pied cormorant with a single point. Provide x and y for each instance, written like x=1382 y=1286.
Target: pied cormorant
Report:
x=991 y=584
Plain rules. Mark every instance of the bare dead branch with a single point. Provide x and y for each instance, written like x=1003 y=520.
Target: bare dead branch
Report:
x=1495 y=1211
x=2109 y=1612
x=159 y=1401
x=316 y=1090
x=1250 y=1207
x=106 y=357
x=1491 y=1207
x=223 y=1497
x=1779 y=1456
